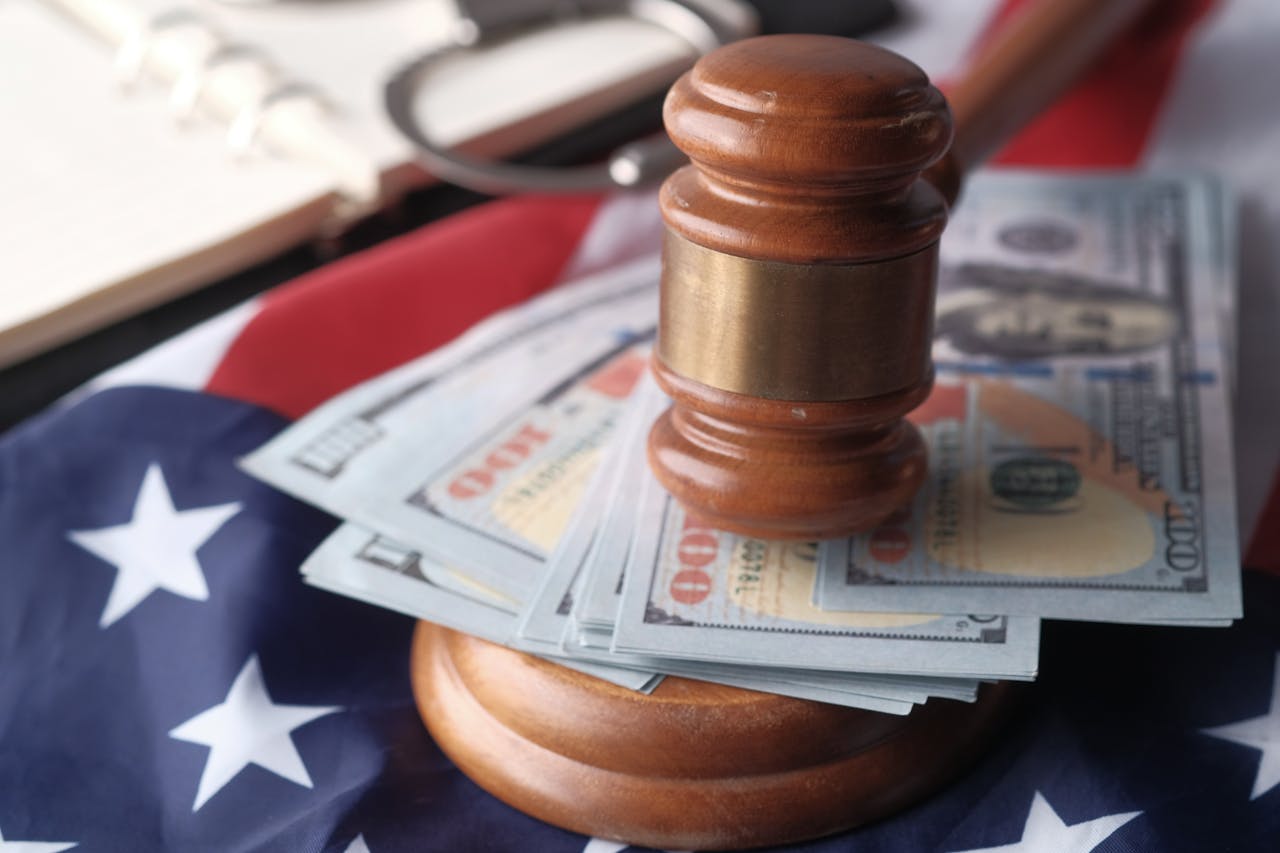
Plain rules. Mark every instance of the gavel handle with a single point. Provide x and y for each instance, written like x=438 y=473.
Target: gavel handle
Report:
x=1030 y=62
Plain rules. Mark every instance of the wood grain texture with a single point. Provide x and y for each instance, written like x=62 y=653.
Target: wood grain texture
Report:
x=693 y=766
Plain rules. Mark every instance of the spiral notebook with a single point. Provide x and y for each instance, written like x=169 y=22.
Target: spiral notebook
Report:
x=116 y=199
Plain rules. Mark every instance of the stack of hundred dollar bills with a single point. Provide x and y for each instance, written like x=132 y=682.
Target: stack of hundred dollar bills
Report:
x=1080 y=468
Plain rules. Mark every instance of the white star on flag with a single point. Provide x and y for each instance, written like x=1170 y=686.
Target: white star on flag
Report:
x=1045 y=831
x=600 y=845
x=357 y=845
x=34 y=846
x=248 y=728
x=1262 y=733
x=156 y=549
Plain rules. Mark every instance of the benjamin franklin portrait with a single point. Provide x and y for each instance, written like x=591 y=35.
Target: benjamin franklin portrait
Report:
x=1016 y=314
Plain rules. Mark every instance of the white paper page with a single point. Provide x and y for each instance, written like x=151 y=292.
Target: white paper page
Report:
x=109 y=207
x=101 y=188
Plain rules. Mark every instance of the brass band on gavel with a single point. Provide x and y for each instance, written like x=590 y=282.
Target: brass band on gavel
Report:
x=799 y=332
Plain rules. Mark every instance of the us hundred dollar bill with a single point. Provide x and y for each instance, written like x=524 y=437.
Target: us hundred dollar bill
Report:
x=477 y=454
x=365 y=566
x=546 y=628
x=1080 y=446
x=360 y=564
x=693 y=592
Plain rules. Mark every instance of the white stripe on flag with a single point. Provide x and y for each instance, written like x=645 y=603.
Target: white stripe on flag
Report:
x=937 y=36
x=626 y=226
x=186 y=361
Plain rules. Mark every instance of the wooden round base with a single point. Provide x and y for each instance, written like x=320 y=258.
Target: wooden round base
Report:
x=692 y=766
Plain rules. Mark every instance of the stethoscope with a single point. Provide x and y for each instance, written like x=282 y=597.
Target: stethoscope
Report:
x=703 y=25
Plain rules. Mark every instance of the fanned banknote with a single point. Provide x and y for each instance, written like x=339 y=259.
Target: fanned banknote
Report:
x=361 y=564
x=545 y=626
x=477 y=455
x=1080 y=467
x=1080 y=447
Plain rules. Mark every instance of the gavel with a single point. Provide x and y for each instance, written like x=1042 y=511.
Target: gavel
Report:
x=795 y=331
x=800 y=260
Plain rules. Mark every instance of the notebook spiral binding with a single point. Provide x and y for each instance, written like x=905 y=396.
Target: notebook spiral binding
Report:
x=184 y=98
x=242 y=134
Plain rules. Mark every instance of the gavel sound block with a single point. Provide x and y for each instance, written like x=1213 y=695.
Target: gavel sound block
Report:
x=694 y=766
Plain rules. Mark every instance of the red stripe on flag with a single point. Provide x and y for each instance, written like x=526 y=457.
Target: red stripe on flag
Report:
x=945 y=402
x=356 y=318
x=1105 y=120
x=1264 y=551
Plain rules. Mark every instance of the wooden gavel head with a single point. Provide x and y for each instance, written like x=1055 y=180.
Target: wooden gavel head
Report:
x=798 y=281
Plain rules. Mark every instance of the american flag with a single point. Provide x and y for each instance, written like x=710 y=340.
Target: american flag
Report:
x=167 y=682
